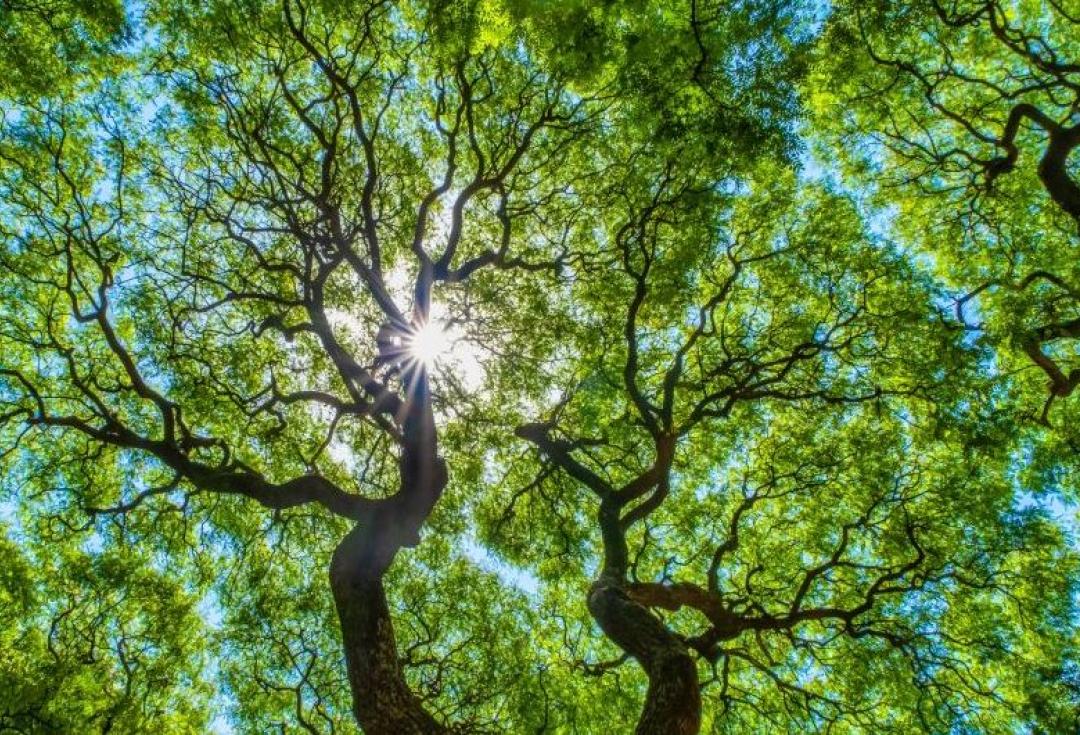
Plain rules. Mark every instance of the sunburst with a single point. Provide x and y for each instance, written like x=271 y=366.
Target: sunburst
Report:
x=430 y=342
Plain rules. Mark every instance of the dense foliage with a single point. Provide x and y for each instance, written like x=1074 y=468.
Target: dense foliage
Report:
x=753 y=408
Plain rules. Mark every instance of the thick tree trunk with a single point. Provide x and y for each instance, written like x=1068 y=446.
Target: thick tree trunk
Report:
x=383 y=703
x=673 y=702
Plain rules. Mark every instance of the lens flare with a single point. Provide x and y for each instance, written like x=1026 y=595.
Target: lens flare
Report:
x=429 y=342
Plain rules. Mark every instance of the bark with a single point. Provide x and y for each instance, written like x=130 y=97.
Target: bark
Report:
x=383 y=703
x=1053 y=166
x=673 y=701
x=1054 y=172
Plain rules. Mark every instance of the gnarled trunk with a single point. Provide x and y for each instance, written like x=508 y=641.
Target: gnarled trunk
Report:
x=673 y=702
x=383 y=703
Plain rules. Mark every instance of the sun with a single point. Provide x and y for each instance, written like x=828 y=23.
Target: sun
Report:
x=442 y=347
x=429 y=342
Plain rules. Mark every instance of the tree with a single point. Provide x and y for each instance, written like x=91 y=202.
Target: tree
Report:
x=474 y=307
x=698 y=421
x=975 y=106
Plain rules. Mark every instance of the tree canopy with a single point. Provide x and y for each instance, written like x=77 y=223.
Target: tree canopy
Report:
x=559 y=367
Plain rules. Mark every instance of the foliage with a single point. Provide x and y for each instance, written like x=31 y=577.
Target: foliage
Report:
x=744 y=424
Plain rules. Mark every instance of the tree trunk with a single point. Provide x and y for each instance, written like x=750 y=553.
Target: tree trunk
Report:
x=383 y=703
x=673 y=702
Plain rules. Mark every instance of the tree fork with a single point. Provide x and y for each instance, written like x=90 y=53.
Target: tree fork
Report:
x=673 y=701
